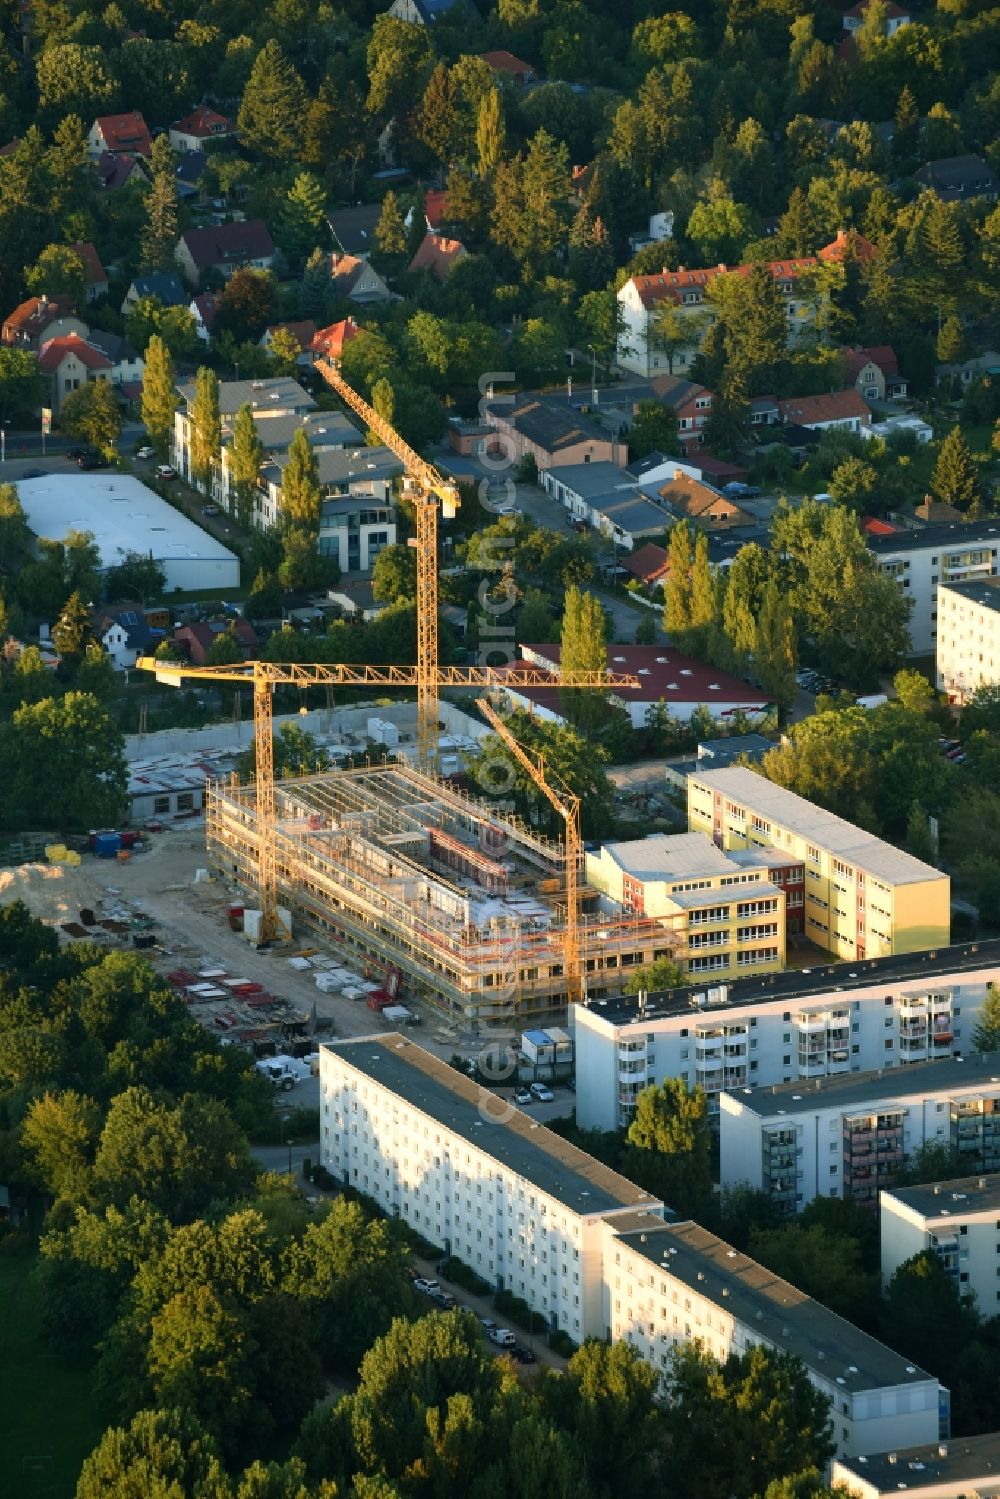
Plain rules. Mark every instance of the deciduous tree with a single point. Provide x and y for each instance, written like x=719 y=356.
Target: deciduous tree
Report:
x=158 y=394
x=93 y=414
x=206 y=429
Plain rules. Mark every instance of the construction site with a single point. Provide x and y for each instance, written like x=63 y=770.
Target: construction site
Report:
x=407 y=872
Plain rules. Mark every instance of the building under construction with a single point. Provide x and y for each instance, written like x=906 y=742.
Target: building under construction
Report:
x=407 y=871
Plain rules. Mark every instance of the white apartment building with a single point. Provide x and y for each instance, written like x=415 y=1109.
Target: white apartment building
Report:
x=957 y=1220
x=357 y=513
x=849 y=1136
x=789 y=1027
x=939 y=1470
x=269 y=400
x=968 y=637
x=523 y=1208
x=668 y=1283
x=920 y=560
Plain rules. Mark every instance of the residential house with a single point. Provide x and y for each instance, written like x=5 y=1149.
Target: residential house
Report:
x=648 y=564
x=196 y=640
x=920 y=560
x=127 y=365
x=119 y=135
x=355 y=599
x=353 y=229
x=960 y=179
x=326 y=430
x=874 y=373
x=935 y=1470
x=189 y=174
x=641 y=297
x=665 y=676
x=163 y=286
x=979 y=367
x=70 y=362
x=695 y=501
x=660 y=228
x=435 y=208
x=421 y=12
x=303 y=333
x=269 y=400
x=843 y=409
x=97 y=276
x=204 y=309
x=956 y=1221
x=202 y=125
x=39 y=319
x=511 y=69
x=968 y=637
x=224 y=248
x=328 y=343
x=930 y=512
x=765 y=411
x=552 y=432
x=438 y=255
x=125 y=633
x=353 y=278
x=357 y=518
x=691 y=404
x=116 y=172
x=896 y=17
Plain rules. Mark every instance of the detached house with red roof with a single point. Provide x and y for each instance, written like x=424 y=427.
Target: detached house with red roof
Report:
x=841 y=408
x=328 y=343
x=874 y=373
x=97 y=276
x=198 y=128
x=896 y=17
x=121 y=135
x=39 y=319
x=225 y=248
x=641 y=297
x=70 y=362
x=511 y=69
x=438 y=255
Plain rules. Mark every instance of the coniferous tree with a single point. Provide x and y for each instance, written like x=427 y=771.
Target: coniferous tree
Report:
x=73 y=631
x=159 y=234
x=206 y=428
x=246 y=455
x=158 y=397
x=390 y=231
x=316 y=286
x=303 y=217
x=489 y=132
x=677 y=591
x=986 y=1035
x=437 y=121
x=273 y=106
x=956 y=476
x=952 y=344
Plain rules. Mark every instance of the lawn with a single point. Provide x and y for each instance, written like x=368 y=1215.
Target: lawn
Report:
x=48 y=1424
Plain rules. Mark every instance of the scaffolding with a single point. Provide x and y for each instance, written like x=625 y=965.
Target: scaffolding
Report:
x=479 y=933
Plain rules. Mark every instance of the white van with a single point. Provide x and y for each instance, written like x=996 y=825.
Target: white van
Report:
x=502 y=1336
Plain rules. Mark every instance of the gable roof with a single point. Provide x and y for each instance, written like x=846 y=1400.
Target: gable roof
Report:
x=165 y=286
x=699 y=501
x=549 y=422
x=303 y=332
x=115 y=170
x=206 y=631
x=96 y=274
x=57 y=349
x=674 y=392
x=437 y=255
x=221 y=244
x=31 y=318
x=131 y=618
x=648 y=562
x=880 y=355
x=204 y=123
x=958 y=176
x=331 y=340
x=345 y=271
x=117 y=349
x=845 y=241
x=205 y=308
x=838 y=405
x=502 y=61
x=354 y=228
x=673 y=284
x=127 y=132
x=872 y=526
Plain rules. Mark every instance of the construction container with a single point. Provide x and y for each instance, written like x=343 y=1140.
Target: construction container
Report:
x=107 y=845
x=143 y=939
x=129 y=838
x=381 y=731
x=251 y=925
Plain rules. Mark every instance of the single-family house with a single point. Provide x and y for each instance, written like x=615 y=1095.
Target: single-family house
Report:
x=127 y=364
x=353 y=229
x=552 y=432
x=695 y=501
x=839 y=408
x=959 y=179
x=648 y=564
x=874 y=373
x=97 y=276
x=421 y=12
x=510 y=69
x=979 y=367
x=196 y=640
x=353 y=278
x=190 y=172
x=125 y=633
x=303 y=333
x=660 y=227
x=199 y=127
x=162 y=286
x=438 y=255
x=204 y=309
x=71 y=362
x=328 y=343
x=764 y=411
x=895 y=18
x=115 y=172
x=224 y=248
x=691 y=404
x=435 y=208
x=39 y=319
x=119 y=135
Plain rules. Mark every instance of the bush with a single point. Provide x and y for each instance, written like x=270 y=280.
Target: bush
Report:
x=457 y=1270
x=560 y=1342
x=516 y=1309
x=302 y=1126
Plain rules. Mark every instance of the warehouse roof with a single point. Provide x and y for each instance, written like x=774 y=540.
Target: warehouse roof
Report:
x=551 y=1164
x=776 y=1312
x=121 y=513
x=804 y=818
x=858 y=1090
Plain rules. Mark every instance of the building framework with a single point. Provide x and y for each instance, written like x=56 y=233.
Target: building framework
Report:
x=405 y=869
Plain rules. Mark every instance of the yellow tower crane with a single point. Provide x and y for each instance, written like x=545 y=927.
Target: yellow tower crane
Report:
x=428 y=490
x=264 y=676
x=567 y=804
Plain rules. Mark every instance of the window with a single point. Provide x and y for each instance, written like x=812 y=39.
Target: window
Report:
x=161 y=804
x=185 y=801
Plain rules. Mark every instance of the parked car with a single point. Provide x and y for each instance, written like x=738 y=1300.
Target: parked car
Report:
x=75 y=454
x=522 y=1095
x=210 y=510
x=502 y=1337
x=88 y=461
x=165 y=472
x=445 y=1299
x=487 y=1323
x=145 y=451
x=426 y=1287
x=522 y=1355
x=543 y=1093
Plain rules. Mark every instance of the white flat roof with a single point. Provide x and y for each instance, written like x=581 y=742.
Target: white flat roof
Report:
x=670 y=856
x=123 y=515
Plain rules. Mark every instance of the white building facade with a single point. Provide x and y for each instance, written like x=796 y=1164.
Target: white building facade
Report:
x=968 y=637
x=920 y=560
x=849 y=1137
x=782 y=1028
x=959 y=1221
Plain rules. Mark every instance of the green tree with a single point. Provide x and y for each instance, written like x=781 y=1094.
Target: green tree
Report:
x=93 y=414
x=60 y=1134
x=15 y=534
x=394 y=576
x=158 y=394
x=853 y=483
x=303 y=218
x=162 y=1453
x=952 y=344
x=22 y=385
x=774 y=646
x=824 y=1265
x=674 y=331
x=490 y=132
x=246 y=454
x=316 y=286
x=67 y=754
x=273 y=105
x=206 y=429
x=653 y=430
x=672 y=1122
x=437 y=123
x=986 y=1035
x=569 y=756
x=400 y=58
x=390 y=231
x=136 y=577
x=301 y=501
x=159 y=233
x=923 y=1316
x=58 y=271
x=677 y=589
x=535 y=621
x=605 y=1404
x=955 y=480
x=660 y=974
x=718 y=229
x=583 y=648
x=73 y=631
x=702 y=613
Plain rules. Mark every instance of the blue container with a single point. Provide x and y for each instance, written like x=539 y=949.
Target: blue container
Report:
x=106 y=845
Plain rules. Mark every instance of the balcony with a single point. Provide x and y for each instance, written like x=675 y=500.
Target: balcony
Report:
x=811 y=1024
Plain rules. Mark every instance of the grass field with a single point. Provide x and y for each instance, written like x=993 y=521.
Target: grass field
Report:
x=47 y=1420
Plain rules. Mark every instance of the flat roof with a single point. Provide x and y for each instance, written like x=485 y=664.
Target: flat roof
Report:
x=552 y=1164
x=342 y=465
x=971 y=1460
x=948 y=1199
x=978 y=1070
x=669 y=856
x=596 y=479
x=804 y=983
x=942 y=537
x=276 y=393
x=985 y=592
x=836 y=836
x=786 y=1317
x=664 y=674
x=123 y=515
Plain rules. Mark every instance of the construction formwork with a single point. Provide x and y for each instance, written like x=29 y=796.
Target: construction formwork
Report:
x=403 y=869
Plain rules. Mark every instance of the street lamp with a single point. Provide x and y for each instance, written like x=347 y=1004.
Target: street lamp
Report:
x=3 y=442
x=286 y=1119
x=593 y=373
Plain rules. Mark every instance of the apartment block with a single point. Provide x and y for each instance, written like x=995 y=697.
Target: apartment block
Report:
x=779 y=1028
x=724 y=912
x=669 y=1283
x=281 y=400
x=968 y=637
x=850 y=1136
x=863 y=897
x=525 y=1209
x=921 y=560
x=957 y=1220
x=940 y=1470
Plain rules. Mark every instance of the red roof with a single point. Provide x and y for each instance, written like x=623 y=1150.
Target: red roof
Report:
x=502 y=61
x=837 y=248
x=34 y=316
x=875 y=527
x=229 y=244
x=880 y=355
x=673 y=284
x=665 y=674
x=437 y=255
x=127 y=133
x=57 y=349
x=647 y=563
x=436 y=206
x=330 y=341
x=204 y=122
x=719 y=467
x=835 y=406
x=96 y=274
